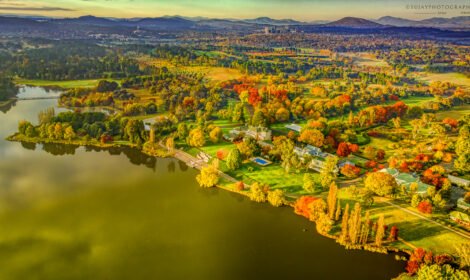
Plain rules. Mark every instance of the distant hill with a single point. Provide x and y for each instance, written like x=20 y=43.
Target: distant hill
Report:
x=396 y=21
x=270 y=21
x=353 y=22
x=437 y=22
x=163 y=23
x=88 y=20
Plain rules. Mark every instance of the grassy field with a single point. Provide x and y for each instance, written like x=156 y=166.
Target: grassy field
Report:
x=61 y=84
x=217 y=74
x=456 y=112
x=272 y=175
x=366 y=59
x=454 y=78
x=414 y=230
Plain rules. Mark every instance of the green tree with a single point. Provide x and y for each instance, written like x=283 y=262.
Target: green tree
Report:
x=328 y=171
x=182 y=131
x=462 y=149
x=438 y=272
x=258 y=119
x=234 y=159
x=309 y=183
x=216 y=134
x=69 y=133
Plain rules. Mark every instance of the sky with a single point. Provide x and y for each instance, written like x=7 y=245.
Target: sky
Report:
x=305 y=10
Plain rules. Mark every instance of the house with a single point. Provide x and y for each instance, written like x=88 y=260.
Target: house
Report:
x=461 y=204
x=294 y=127
x=461 y=182
x=406 y=179
x=460 y=218
x=316 y=153
x=310 y=150
x=346 y=162
x=256 y=132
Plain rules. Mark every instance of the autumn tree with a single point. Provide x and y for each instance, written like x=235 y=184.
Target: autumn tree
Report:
x=328 y=171
x=332 y=200
x=313 y=137
x=344 y=236
x=215 y=134
x=196 y=137
x=354 y=224
x=276 y=198
x=393 y=234
x=256 y=193
x=381 y=183
x=462 y=149
x=209 y=176
x=343 y=149
x=380 y=233
x=365 y=229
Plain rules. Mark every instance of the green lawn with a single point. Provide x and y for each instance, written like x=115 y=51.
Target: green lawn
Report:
x=272 y=175
x=212 y=148
x=414 y=230
x=62 y=84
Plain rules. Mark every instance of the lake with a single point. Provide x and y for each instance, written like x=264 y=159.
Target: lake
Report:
x=79 y=213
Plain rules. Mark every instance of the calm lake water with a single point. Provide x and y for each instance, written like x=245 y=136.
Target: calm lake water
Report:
x=77 y=213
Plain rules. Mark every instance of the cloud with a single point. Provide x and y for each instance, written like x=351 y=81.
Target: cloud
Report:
x=47 y=9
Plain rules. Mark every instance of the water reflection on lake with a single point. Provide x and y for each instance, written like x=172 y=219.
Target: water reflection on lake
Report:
x=70 y=212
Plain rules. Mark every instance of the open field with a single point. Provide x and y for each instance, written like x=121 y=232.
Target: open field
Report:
x=455 y=78
x=61 y=84
x=456 y=112
x=414 y=230
x=366 y=59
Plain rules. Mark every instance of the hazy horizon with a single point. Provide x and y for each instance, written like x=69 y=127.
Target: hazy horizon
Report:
x=302 y=10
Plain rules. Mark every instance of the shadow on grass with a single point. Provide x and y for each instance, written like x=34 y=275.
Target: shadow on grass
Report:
x=412 y=231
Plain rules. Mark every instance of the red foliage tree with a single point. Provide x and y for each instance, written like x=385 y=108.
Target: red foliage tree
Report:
x=301 y=206
x=240 y=186
x=425 y=207
x=343 y=149
x=350 y=171
x=221 y=154
x=254 y=98
x=412 y=267
x=393 y=233
x=371 y=164
x=380 y=154
x=415 y=261
x=354 y=148
x=451 y=122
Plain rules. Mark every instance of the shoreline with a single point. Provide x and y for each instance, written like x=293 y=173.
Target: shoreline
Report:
x=165 y=154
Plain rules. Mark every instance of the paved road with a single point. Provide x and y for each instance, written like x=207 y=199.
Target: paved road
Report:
x=198 y=164
x=465 y=235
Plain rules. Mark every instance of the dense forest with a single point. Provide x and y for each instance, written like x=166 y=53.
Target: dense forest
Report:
x=7 y=88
